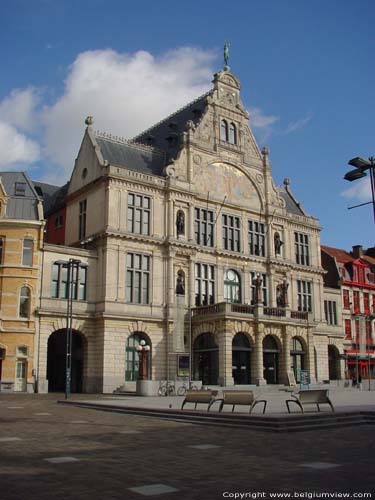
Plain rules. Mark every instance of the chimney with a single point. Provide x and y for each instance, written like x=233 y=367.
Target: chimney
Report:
x=357 y=251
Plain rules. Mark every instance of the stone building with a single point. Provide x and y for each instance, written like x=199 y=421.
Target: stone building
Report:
x=21 y=238
x=191 y=247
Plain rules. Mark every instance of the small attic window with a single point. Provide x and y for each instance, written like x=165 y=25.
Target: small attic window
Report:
x=172 y=125
x=150 y=139
x=19 y=188
x=197 y=113
x=84 y=173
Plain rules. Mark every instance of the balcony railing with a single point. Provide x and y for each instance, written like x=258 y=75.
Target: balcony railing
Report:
x=226 y=308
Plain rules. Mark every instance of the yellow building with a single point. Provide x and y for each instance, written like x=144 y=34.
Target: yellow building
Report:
x=21 y=238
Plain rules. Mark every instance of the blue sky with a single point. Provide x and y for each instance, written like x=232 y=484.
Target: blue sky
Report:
x=306 y=68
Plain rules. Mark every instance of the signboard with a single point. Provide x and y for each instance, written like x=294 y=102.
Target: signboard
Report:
x=304 y=378
x=183 y=365
x=291 y=378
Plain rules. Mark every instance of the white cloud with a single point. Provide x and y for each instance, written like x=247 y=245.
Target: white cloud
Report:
x=260 y=120
x=360 y=191
x=16 y=148
x=298 y=124
x=18 y=109
x=125 y=93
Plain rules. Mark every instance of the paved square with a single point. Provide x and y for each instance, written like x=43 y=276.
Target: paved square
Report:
x=9 y=439
x=204 y=446
x=153 y=489
x=61 y=460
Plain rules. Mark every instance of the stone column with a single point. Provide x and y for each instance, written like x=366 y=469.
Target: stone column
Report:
x=258 y=355
x=190 y=225
x=285 y=367
x=170 y=218
x=225 y=356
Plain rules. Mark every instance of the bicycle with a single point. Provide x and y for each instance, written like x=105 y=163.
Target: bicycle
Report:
x=167 y=389
x=181 y=391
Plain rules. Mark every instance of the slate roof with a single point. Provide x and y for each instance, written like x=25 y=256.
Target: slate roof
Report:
x=292 y=206
x=53 y=197
x=166 y=135
x=21 y=207
x=132 y=156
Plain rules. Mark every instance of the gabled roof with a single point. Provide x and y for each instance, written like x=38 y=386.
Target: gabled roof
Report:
x=20 y=206
x=340 y=255
x=132 y=156
x=165 y=134
x=292 y=205
x=53 y=197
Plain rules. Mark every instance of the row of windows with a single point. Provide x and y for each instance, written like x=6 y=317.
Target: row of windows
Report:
x=27 y=251
x=356 y=338
x=139 y=222
x=59 y=288
x=330 y=310
x=353 y=299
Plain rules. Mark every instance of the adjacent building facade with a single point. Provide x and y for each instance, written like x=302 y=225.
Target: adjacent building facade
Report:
x=21 y=239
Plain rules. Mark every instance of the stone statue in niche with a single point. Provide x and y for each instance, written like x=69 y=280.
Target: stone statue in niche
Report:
x=282 y=294
x=258 y=289
x=180 y=283
x=180 y=223
x=278 y=243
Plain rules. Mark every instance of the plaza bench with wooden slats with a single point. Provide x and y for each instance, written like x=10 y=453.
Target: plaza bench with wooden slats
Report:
x=204 y=396
x=243 y=398
x=310 y=397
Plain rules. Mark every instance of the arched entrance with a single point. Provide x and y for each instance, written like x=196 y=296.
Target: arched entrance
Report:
x=297 y=358
x=333 y=363
x=56 y=361
x=132 y=356
x=206 y=359
x=241 y=359
x=270 y=360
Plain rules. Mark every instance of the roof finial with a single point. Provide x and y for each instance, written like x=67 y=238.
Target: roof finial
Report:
x=226 y=55
x=89 y=121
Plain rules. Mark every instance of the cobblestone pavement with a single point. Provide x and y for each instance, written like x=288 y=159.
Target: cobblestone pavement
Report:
x=55 y=451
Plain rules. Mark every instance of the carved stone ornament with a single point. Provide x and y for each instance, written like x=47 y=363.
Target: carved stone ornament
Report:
x=197 y=159
x=259 y=178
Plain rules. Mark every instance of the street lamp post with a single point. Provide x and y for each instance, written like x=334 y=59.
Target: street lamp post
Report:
x=142 y=350
x=72 y=266
x=362 y=165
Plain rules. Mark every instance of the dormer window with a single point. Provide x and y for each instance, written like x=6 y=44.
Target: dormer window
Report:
x=19 y=188
x=228 y=132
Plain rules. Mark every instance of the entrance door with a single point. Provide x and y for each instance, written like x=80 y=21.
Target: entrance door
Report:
x=241 y=352
x=20 y=384
x=270 y=361
x=206 y=359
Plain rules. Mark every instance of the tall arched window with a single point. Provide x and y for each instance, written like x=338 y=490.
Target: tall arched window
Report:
x=232 y=286
x=224 y=130
x=24 y=310
x=232 y=137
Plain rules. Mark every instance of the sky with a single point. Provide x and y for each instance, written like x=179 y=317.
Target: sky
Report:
x=306 y=69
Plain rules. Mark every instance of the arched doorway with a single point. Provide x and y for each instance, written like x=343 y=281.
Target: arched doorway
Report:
x=333 y=363
x=132 y=356
x=56 y=361
x=206 y=359
x=297 y=358
x=270 y=360
x=241 y=359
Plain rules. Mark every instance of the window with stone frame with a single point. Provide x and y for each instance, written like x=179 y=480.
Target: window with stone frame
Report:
x=138 y=270
x=232 y=286
x=24 y=308
x=302 y=250
x=264 y=288
x=139 y=214
x=27 y=252
x=330 y=310
x=204 y=227
x=204 y=284
x=231 y=233
x=366 y=303
x=346 y=299
x=356 y=306
x=59 y=284
x=82 y=220
x=304 y=295
x=257 y=238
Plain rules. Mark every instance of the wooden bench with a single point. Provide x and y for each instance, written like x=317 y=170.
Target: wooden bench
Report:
x=244 y=398
x=310 y=397
x=204 y=396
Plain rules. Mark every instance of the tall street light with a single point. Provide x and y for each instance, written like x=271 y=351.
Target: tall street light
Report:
x=362 y=165
x=72 y=266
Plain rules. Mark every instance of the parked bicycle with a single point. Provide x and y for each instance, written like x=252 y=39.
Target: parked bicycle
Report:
x=167 y=389
x=181 y=391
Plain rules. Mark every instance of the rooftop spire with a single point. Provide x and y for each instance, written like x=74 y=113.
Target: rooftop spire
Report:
x=226 y=55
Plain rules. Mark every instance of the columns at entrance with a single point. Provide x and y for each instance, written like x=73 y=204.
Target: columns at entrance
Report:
x=257 y=374
x=285 y=365
x=225 y=355
x=310 y=361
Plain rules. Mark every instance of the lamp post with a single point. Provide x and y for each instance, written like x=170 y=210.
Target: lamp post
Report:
x=72 y=266
x=142 y=350
x=362 y=165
